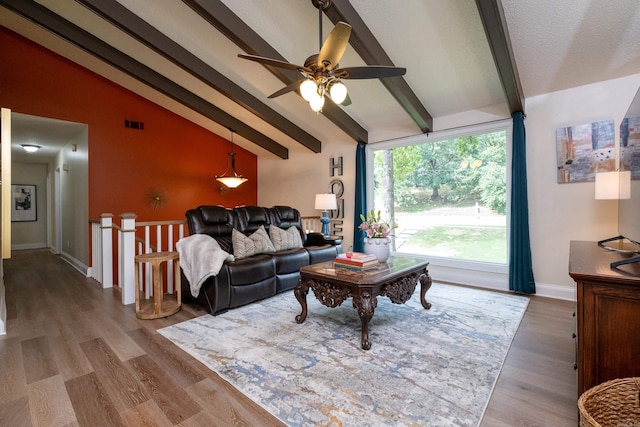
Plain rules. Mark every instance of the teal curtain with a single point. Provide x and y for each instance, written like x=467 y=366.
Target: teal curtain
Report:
x=520 y=266
x=361 y=196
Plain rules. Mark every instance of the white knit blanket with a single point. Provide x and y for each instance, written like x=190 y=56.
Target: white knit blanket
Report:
x=200 y=258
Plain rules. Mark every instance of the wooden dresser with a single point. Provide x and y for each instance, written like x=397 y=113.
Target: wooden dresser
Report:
x=608 y=303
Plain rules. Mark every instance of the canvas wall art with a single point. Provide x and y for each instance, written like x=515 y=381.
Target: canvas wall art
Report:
x=630 y=146
x=583 y=150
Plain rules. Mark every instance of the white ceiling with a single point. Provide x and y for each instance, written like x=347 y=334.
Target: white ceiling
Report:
x=556 y=45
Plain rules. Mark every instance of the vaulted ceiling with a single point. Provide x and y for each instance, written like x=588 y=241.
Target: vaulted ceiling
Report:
x=460 y=55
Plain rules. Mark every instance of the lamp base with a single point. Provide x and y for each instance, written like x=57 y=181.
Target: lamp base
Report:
x=325 y=220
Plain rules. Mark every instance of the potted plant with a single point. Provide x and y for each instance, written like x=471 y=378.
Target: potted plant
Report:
x=377 y=232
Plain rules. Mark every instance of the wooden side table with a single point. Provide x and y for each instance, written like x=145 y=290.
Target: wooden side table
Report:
x=158 y=307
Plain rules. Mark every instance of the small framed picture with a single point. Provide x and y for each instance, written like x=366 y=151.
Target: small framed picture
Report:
x=23 y=203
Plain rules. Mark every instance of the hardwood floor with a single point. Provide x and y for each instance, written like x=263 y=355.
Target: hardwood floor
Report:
x=74 y=355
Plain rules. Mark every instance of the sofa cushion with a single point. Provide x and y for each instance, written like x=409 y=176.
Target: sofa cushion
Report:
x=251 y=218
x=285 y=239
x=251 y=270
x=256 y=243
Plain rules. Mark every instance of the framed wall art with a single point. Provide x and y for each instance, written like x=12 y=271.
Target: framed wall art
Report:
x=583 y=150
x=23 y=203
x=630 y=146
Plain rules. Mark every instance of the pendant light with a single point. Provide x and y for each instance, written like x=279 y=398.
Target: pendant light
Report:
x=228 y=179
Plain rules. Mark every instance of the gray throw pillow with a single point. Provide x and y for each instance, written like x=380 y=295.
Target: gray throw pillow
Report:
x=246 y=246
x=282 y=240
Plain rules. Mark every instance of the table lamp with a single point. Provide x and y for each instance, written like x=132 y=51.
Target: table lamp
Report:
x=325 y=203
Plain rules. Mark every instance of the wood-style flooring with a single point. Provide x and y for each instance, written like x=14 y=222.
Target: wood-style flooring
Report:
x=73 y=355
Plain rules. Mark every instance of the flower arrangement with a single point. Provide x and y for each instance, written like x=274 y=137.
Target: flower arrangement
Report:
x=375 y=227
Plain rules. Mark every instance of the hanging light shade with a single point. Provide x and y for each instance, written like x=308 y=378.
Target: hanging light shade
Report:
x=231 y=179
x=338 y=92
x=308 y=88
x=316 y=102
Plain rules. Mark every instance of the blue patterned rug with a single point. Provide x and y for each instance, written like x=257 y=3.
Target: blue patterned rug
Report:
x=425 y=367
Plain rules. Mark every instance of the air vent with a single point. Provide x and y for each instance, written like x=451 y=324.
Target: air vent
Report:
x=133 y=124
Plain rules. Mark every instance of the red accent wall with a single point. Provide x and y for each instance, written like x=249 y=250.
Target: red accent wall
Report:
x=171 y=154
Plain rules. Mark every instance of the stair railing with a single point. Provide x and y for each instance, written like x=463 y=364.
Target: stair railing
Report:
x=133 y=238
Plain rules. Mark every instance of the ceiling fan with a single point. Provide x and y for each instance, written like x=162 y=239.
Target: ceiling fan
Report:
x=321 y=75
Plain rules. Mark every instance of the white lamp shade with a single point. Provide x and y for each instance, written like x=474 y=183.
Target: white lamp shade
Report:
x=232 y=181
x=613 y=185
x=307 y=89
x=326 y=202
x=338 y=92
x=316 y=102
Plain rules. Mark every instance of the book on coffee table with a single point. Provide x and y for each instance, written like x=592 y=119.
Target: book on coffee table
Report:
x=356 y=260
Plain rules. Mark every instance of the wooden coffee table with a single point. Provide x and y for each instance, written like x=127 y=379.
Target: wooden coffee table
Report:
x=396 y=279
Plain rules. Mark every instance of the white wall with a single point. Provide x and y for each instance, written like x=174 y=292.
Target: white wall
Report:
x=295 y=181
x=559 y=213
x=31 y=234
x=73 y=167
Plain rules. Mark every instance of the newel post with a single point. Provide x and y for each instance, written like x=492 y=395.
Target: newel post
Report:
x=106 y=227
x=127 y=256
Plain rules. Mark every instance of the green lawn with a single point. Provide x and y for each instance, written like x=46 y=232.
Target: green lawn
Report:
x=479 y=243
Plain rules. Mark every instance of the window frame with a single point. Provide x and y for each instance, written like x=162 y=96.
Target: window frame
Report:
x=505 y=125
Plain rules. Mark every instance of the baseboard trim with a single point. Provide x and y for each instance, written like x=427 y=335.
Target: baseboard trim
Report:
x=3 y=305
x=75 y=263
x=496 y=281
x=26 y=246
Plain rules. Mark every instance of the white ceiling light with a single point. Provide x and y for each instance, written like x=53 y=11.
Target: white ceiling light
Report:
x=338 y=92
x=308 y=88
x=30 y=148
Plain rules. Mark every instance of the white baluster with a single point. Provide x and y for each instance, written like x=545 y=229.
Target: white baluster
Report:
x=128 y=226
x=106 y=266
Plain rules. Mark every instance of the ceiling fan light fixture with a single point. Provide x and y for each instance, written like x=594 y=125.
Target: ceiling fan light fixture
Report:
x=316 y=103
x=338 y=92
x=308 y=88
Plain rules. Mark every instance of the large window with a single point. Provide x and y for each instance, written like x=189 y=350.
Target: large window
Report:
x=448 y=195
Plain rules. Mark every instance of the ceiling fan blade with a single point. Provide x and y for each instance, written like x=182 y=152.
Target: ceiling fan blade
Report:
x=369 y=72
x=334 y=46
x=275 y=63
x=289 y=88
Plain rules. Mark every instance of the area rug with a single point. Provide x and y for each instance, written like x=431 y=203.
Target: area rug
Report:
x=425 y=367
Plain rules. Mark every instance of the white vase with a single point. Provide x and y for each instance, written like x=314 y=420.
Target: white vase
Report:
x=380 y=247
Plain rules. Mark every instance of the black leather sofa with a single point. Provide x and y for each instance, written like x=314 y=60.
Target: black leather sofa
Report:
x=259 y=276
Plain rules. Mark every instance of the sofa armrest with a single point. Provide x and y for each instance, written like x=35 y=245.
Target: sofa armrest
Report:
x=318 y=239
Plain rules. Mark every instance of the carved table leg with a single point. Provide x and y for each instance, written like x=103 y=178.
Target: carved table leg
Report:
x=365 y=304
x=425 y=285
x=301 y=291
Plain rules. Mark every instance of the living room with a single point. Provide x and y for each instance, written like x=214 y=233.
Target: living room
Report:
x=270 y=177
x=123 y=166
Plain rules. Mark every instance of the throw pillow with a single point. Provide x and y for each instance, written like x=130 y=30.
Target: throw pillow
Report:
x=246 y=246
x=282 y=240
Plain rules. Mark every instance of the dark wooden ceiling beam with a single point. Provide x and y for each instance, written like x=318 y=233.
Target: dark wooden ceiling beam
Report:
x=370 y=50
x=495 y=27
x=45 y=18
x=221 y=17
x=144 y=32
